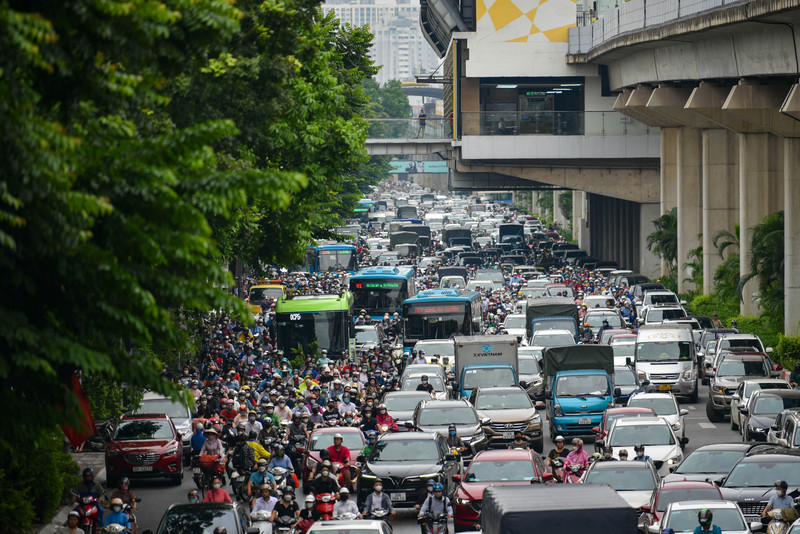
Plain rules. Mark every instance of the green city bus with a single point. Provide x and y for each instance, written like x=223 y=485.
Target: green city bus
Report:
x=326 y=320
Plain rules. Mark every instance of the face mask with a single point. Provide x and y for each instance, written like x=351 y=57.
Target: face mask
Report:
x=348 y=419
x=116 y=508
x=378 y=488
x=781 y=492
x=287 y=497
x=212 y=437
x=217 y=486
x=281 y=404
x=309 y=505
x=437 y=494
x=192 y=500
x=252 y=418
x=325 y=473
x=261 y=469
x=270 y=411
x=347 y=399
x=344 y=497
x=606 y=455
x=452 y=432
x=640 y=454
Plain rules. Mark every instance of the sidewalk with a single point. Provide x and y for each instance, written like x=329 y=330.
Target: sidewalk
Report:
x=95 y=460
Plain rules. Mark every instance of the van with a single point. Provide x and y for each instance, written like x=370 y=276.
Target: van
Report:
x=665 y=356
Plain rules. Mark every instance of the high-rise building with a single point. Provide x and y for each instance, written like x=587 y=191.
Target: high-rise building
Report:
x=399 y=46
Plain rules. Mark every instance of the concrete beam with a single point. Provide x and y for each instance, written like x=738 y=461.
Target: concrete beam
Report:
x=791 y=106
x=707 y=100
x=407 y=147
x=637 y=103
x=759 y=105
x=620 y=105
x=670 y=103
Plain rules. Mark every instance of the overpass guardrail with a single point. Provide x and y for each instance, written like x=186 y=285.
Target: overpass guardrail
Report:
x=552 y=123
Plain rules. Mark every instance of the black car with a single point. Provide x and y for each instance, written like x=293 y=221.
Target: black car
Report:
x=751 y=482
x=205 y=517
x=404 y=462
x=763 y=408
x=709 y=462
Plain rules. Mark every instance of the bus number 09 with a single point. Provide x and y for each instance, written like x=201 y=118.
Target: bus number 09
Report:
x=294 y=316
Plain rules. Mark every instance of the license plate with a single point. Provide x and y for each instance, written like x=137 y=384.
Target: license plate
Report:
x=142 y=468
x=585 y=421
x=508 y=435
x=397 y=496
x=664 y=387
x=196 y=470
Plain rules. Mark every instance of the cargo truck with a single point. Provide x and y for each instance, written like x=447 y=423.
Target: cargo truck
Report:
x=556 y=313
x=485 y=361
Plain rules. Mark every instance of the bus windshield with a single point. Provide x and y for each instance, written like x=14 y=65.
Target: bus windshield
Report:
x=337 y=260
x=378 y=295
x=327 y=329
x=437 y=321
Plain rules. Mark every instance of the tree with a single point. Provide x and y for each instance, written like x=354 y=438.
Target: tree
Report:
x=726 y=276
x=565 y=205
x=664 y=240
x=766 y=264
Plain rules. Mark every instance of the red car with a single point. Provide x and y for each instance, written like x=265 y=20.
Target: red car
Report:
x=669 y=492
x=322 y=438
x=144 y=446
x=610 y=414
x=607 y=334
x=498 y=467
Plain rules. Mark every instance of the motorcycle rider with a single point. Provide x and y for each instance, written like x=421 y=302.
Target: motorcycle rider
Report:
x=198 y=438
x=266 y=502
x=344 y=505
x=705 y=517
x=519 y=442
x=331 y=413
x=608 y=454
x=117 y=516
x=279 y=459
x=577 y=456
x=260 y=477
x=258 y=449
x=213 y=445
x=623 y=455
x=436 y=504
x=243 y=456
x=559 y=452
x=283 y=412
x=325 y=482
x=72 y=525
x=193 y=497
x=286 y=506
x=89 y=485
x=453 y=441
x=368 y=422
x=216 y=493
x=347 y=405
x=780 y=500
x=640 y=455
x=253 y=424
x=384 y=419
x=377 y=500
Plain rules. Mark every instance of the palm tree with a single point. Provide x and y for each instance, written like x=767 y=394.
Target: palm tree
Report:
x=766 y=263
x=726 y=276
x=725 y=239
x=664 y=241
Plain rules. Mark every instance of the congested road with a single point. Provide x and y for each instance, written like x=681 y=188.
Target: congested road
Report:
x=158 y=495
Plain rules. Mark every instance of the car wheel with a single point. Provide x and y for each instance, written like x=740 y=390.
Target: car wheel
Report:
x=734 y=424
x=713 y=415
x=177 y=479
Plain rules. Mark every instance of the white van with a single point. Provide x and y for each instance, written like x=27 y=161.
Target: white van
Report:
x=665 y=356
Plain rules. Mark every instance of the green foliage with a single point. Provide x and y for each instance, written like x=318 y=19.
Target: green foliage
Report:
x=694 y=266
x=664 y=240
x=565 y=204
x=726 y=276
x=727 y=308
x=670 y=282
x=387 y=100
x=766 y=264
x=33 y=483
x=788 y=350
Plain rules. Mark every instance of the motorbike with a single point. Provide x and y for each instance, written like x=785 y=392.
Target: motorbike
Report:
x=434 y=523
x=128 y=509
x=779 y=521
x=285 y=524
x=260 y=520
x=114 y=528
x=239 y=484
x=89 y=513
x=339 y=468
x=204 y=468
x=573 y=473
x=379 y=514
x=557 y=467
x=324 y=506
x=346 y=517
x=280 y=475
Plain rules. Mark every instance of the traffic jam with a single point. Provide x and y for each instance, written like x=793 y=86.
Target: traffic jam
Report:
x=451 y=363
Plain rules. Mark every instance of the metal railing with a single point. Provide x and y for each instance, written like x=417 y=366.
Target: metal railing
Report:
x=431 y=128
x=552 y=123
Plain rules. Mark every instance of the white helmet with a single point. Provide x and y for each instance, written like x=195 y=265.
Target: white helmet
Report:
x=309 y=498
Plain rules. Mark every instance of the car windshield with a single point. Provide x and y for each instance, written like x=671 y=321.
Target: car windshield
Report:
x=623 y=350
x=352 y=440
x=772 y=404
x=730 y=367
x=708 y=462
x=405 y=450
x=199 y=519
x=664 y=298
x=433 y=415
x=367 y=336
x=166 y=406
x=488 y=378
x=663 y=406
x=763 y=474
x=547 y=339
x=665 y=497
x=595 y=320
x=622 y=478
x=627 y=436
x=623 y=376
x=528 y=366
x=582 y=386
x=515 y=321
x=659 y=351
x=752 y=387
x=512 y=400
x=143 y=429
x=655 y=315
x=743 y=344
x=403 y=402
x=500 y=471
x=727 y=519
x=410 y=383
x=611 y=417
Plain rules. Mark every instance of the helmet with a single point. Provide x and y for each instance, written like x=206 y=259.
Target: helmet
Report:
x=608 y=448
x=344 y=490
x=325 y=463
x=262 y=461
x=559 y=438
x=288 y=489
x=638 y=447
x=424 y=378
x=193 y=495
x=781 y=484
x=241 y=428
x=88 y=472
x=220 y=530
x=309 y=498
x=438 y=487
x=705 y=516
x=124 y=481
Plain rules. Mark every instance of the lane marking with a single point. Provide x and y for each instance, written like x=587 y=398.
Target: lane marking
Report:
x=692 y=407
x=707 y=425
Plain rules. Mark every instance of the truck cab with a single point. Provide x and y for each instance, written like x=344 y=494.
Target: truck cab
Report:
x=485 y=361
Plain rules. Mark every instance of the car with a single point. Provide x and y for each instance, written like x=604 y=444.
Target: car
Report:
x=658 y=314
x=708 y=340
x=594 y=319
x=670 y=492
x=725 y=378
x=178 y=412
x=322 y=438
x=709 y=462
x=515 y=467
x=743 y=341
x=633 y=481
x=610 y=414
x=656 y=297
x=681 y=517
x=745 y=390
x=608 y=334
x=401 y=404
x=595 y=301
x=627 y=382
x=368 y=337
x=437 y=415
x=624 y=347
x=404 y=462
x=637 y=290
x=440 y=388
x=762 y=410
x=665 y=405
x=354 y=526
x=751 y=482
x=514 y=325
x=424 y=369
x=785 y=428
x=144 y=446
x=530 y=372
x=510 y=410
x=654 y=433
x=444 y=348
x=552 y=338
x=205 y=517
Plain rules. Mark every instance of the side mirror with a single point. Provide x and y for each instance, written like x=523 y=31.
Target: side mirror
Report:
x=456 y=478
x=617 y=392
x=769 y=350
x=645 y=383
x=684 y=411
x=596 y=430
x=775 y=374
x=710 y=373
x=645 y=508
x=628 y=361
x=774 y=428
x=683 y=303
x=735 y=396
x=783 y=443
x=744 y=411
x=486 y=421
x=756 y=525
x=548 y=395
x=449 y=457
x=409 y=424
x=523 y=384
x=684 y=441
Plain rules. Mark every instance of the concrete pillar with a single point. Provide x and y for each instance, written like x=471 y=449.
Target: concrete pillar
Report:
x=760 y=173
x=580 y=226
x=791 y=243
x=669 y=177
x=557 y=215
x=649 y=263
x=720 y=196
x=689 y=199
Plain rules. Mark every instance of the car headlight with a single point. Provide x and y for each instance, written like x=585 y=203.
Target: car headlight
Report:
x=674 y=460
x=676 y=426
x=642 y=375
x=687 y=374
x=537 y=381
x=536 y=418
x=463 y=502
x=170 y=452
x=367 y=476
x=717 y=389
x=558 y=411
x=759 y=430
x=430 y=475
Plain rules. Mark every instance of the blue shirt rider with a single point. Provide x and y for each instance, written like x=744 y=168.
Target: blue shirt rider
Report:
x=640 y=455
x=117 y=515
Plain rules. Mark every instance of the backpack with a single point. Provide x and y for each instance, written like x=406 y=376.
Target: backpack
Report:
x=242 y=461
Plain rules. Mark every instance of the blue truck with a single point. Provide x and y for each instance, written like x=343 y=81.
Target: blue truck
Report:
x=579 y=386
x=485 y=361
